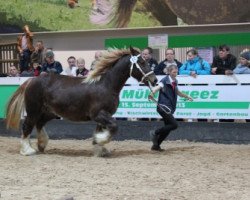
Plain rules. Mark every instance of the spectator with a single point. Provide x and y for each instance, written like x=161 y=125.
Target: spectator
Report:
x=147 y=55
x=50 y=65
x=25 y=48
x=162 y=68
x=13 y=71
x=71 y=69
x=38 y=55
x=98 y=54
x=34 y=71
x=244 y=66
x=195 y=65
x=224 y=63
x=81 y=71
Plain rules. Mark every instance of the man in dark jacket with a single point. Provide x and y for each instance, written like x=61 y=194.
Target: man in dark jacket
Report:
x=147 y=55
x=224 y=63
x=166 y=106
x=51 y=66
x=162 y=68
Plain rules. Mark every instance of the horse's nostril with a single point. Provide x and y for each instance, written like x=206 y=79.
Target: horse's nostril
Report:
x=155 y=81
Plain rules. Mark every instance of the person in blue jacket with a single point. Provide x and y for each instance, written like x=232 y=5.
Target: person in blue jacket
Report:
x=194 y=65
x=244 y=66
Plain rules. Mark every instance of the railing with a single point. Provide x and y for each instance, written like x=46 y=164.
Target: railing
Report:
x=8 y=56
x=215 y=97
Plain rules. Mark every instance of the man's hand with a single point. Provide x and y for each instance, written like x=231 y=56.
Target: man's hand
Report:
x=150 y=96
x=213 y=70
x=193 y=74
x=229 y=72
x=189 y=98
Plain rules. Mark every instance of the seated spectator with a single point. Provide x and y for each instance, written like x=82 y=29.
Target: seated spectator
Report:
x=162 y=68
x=50 y=65
x=244 y=66
x=71 y=69
x=224 y=63
x=98 y=54
x=13 y=71
x=38 y=55
x=147 y=54
x=34 y=71
x=194 y=65
x=81 y=71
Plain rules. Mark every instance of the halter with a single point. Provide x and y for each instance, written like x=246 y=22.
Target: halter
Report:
x=134 y=60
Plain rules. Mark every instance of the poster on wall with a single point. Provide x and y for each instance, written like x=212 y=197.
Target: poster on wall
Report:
x=69 y=15
x=158 y=41
x=206 y=54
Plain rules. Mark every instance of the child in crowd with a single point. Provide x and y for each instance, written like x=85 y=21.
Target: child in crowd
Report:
x=81 y=71
x=37 y=69
x=244 y=66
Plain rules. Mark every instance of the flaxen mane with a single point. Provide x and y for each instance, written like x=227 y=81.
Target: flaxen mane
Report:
x=105 y=62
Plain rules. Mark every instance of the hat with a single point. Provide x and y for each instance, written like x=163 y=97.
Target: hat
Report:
x=49 y=54
x=245 y=55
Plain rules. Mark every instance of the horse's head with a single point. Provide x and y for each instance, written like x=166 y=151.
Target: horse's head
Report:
x=140 y=69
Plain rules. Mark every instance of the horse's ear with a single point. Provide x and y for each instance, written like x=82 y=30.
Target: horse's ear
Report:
x=133 y=51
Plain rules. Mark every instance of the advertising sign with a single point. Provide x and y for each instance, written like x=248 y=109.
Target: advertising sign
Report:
x=210 y=102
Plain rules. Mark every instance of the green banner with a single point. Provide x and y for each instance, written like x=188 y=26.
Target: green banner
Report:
x=6 y=91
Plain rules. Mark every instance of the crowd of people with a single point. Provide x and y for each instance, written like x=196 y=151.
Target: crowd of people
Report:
x=223 y=64
x=36 y=60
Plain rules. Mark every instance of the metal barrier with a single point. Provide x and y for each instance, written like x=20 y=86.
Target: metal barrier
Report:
x=8 y=55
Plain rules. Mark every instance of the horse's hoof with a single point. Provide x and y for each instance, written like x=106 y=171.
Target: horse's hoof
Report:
x=28 y=152
x=100 y=151
x=41 y=149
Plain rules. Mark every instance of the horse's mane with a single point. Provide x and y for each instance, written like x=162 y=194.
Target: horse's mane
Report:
x=104 y=63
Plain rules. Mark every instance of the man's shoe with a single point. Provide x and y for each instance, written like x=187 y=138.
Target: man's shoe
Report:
x=154 y=138
x=156 y=148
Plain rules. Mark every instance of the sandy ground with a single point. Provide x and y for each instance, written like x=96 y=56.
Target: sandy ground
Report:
x=68 y=168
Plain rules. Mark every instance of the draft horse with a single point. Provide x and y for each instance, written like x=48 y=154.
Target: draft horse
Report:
x=95 y=98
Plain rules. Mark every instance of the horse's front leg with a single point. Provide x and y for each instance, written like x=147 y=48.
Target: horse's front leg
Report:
x=106 y=127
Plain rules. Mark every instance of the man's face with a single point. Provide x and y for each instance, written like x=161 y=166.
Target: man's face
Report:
x=169 y=55
x=13 y=71
x=50 y=59
x=145 y=54
x=39 y=45
x=223 y=53
x=72 y=62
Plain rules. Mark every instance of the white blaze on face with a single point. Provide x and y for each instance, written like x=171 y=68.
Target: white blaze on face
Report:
x=102 y=137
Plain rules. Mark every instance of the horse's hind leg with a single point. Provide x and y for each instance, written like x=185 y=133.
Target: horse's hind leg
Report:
x=42 y=136
x=27 y=128
x=105 y=129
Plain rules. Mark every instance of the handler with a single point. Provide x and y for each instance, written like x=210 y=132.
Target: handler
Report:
x=166 y=106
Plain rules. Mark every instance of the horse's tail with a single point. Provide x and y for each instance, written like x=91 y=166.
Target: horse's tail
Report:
x=124 y=12
x=118 y=11
x=15 y=107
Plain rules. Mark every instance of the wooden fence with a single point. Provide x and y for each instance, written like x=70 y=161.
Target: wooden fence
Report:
x=8 y=56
